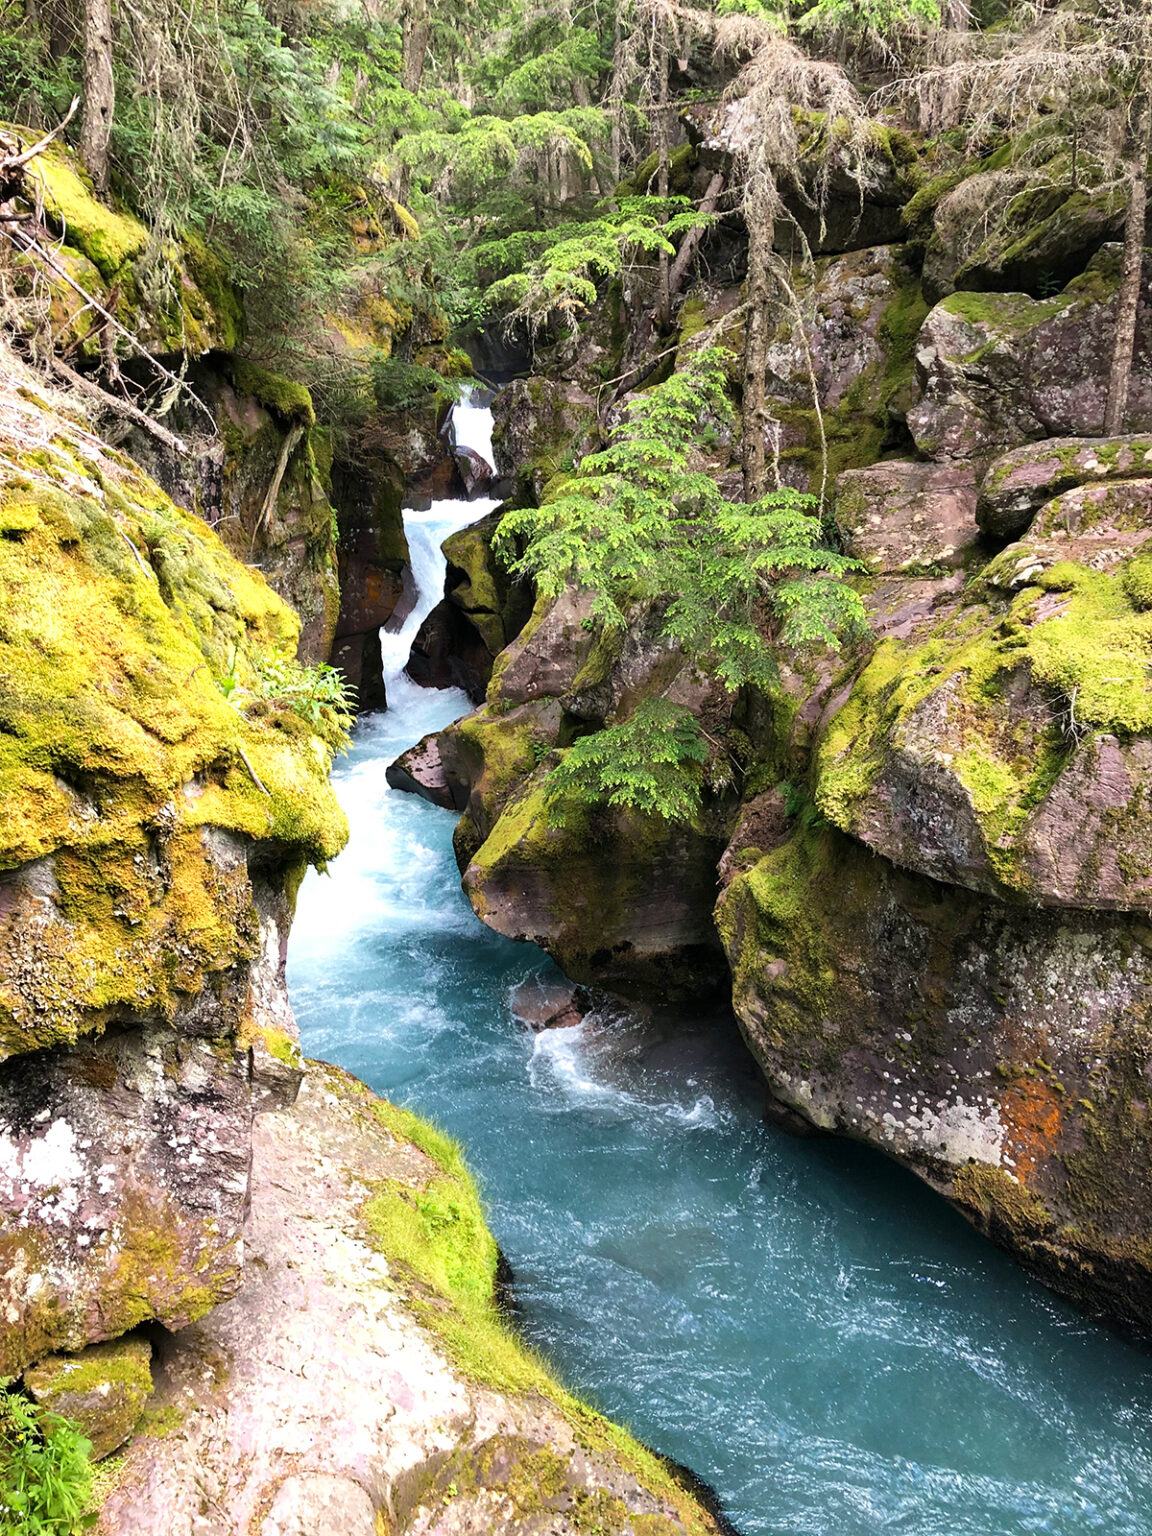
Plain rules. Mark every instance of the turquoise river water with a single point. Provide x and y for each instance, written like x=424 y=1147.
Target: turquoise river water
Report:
x=799 y=1322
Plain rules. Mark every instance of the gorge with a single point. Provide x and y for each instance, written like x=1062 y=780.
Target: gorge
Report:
x=575 y=752
x=820 y=1340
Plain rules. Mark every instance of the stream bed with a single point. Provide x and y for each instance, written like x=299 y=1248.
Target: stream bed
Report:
x=800 y=1322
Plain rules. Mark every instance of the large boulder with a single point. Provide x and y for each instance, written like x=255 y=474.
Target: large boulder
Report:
x=349 y=1389
x=901 y=518
x=482 y=611
x=998 y=1051
x=1019 y=483
x=1001 y=369
x=1005 y=748
x=535 y=422
x=847 y=343
x=162 y=802
x=619 y=899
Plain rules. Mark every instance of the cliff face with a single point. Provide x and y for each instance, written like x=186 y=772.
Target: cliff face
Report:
x=161 y=805
x=935 y=887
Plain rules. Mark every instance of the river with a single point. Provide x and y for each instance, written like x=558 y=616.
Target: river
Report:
x=800 y=1322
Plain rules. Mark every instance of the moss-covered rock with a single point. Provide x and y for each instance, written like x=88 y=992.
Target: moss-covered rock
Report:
x=537 y=422
x=1005 y=750
x=103 y=1389
x=997 y=1051
x=160 y=807
x=262 y=480
x=1001 y=369
x=1019 y=483
x=174 y=298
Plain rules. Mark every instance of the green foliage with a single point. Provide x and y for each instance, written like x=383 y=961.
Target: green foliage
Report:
x=317 y=696
x=880 y=18
x=45 y=1476
x=652 y=762
x=563 y=279
x=401 y=386
x=645 y=520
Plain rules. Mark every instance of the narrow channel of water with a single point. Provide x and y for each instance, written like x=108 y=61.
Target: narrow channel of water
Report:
x=800 y=1322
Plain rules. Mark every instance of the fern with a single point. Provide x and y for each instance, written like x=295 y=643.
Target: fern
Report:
x=644 y=521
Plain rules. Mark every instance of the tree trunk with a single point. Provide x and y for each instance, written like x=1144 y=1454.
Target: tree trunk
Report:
x=754 y=412
x=664 y=294
x=99 y=91
x=1128 y=299
x=414 y=36
x=693 y=237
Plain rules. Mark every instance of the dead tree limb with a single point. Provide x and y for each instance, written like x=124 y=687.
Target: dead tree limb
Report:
x=120 y=407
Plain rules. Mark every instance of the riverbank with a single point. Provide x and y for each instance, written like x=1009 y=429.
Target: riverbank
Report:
x=363 y=1381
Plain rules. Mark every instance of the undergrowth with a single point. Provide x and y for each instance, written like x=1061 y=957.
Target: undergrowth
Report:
x=45 y=1475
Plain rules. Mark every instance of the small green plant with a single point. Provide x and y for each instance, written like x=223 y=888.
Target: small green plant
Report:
x=318 y=696
x=45 y=1474
x=652 y=762
x=643 y=522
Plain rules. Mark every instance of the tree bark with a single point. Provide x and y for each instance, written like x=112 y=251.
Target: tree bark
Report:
x=693 y=237
x=754 y=413
x=99 y=91
x=664 y=293
x=1128 y=299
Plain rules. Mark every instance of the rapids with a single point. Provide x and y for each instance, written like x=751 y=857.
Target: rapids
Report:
x=800 y=1322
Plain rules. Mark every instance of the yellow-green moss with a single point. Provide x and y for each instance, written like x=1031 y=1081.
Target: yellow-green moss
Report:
x=107 y=238
x=122 y=623
x=1095 y=648
x=437 y=1241
x=289 y=400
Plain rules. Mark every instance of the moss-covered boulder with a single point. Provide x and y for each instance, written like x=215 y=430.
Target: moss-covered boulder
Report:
x=998 y=1051
x=259 y=474
x=161 y=804
x=1019 y=483
x=103 y=1389
x=1001 y=369
x=482 y=612
x=849 y=341
x=173 y=298
x=1006 y=750
x=618 y=899
x=536 y=422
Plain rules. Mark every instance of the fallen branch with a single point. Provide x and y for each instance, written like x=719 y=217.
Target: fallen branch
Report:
x=286 y=451
x=17 y=162
x=120 y=407
x=255 y=776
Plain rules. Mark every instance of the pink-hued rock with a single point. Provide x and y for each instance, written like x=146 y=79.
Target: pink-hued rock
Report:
x=1019 y=483
x=419 y=771
x=475 y=473
x=1000 y=369
x=123 y=1185
x=899 y=517
x=315 y=1404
